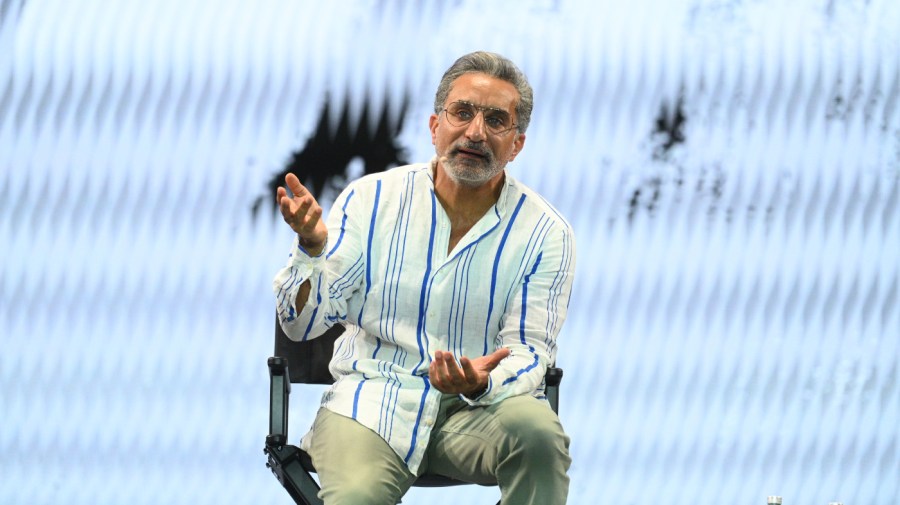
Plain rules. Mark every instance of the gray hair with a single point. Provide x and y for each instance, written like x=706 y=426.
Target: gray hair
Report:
x=495 y=66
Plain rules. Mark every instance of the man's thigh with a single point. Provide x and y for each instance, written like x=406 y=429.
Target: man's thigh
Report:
x=470 y=444
x=355 y=465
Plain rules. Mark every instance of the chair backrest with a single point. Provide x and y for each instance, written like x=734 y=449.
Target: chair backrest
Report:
x=308 y=361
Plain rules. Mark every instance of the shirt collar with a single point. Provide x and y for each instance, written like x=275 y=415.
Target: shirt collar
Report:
x=503 y=200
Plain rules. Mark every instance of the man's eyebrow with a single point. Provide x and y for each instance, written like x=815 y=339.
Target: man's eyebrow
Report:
x=490 y=107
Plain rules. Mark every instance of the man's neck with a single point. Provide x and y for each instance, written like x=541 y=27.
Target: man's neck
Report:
x=465 y=205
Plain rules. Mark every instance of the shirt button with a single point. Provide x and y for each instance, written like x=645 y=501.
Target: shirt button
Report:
x=429 y=422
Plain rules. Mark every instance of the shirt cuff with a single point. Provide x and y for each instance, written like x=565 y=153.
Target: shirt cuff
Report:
x=483 y=398
x=306 y=268
x=300 y=252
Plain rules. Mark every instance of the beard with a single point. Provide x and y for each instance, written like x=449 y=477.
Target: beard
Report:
x=471 y=171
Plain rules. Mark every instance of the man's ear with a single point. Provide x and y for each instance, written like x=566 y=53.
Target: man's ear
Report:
x=518 y=145
x=432 y=125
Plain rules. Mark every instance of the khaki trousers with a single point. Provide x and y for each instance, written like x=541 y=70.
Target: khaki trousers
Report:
x=518 y=443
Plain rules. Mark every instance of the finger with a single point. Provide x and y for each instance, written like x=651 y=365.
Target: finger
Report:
x=279 y=194
x=288 y=209
x=454 y=373
x=432 y=367
x=433 y=375
x=440 y=377
x=293 y=184
x=309 y=212
x=440 y=357
x=303 y=205
x=437 y=367
x=295 y=212
x=314 y=217
x=469 y=370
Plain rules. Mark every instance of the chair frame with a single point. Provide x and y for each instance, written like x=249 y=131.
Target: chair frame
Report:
x=291 y=465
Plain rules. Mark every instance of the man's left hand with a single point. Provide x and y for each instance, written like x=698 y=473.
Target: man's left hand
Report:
x=468 y=379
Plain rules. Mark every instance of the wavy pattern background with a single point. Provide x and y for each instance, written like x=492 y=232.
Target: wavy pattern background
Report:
x=732 y=169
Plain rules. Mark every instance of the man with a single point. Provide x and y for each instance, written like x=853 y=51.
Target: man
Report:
x=453 y=281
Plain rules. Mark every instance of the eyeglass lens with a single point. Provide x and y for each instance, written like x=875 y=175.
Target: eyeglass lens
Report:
x=462 y=113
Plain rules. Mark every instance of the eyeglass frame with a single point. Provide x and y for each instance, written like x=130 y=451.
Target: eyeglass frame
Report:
x=478 y=108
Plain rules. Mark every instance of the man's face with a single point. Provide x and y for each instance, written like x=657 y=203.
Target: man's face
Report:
x=472 y=154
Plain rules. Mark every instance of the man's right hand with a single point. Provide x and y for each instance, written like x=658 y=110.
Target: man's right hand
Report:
x=303 y=214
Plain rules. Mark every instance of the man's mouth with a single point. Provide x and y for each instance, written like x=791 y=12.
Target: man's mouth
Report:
x=471 y=153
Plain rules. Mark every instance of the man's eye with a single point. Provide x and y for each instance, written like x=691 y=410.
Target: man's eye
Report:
x=464 y=114
x=495 y=122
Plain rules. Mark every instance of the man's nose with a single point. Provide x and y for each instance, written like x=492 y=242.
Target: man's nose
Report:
x=476 y=129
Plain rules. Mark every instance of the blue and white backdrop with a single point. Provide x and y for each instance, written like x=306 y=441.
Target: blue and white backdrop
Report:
x=731 y=168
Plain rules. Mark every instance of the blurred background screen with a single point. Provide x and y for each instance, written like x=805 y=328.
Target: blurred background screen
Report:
x=730 y=167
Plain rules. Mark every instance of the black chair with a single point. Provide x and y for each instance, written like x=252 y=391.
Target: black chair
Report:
x=307 y=363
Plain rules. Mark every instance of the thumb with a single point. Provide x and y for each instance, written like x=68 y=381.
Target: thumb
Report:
x=497 y=356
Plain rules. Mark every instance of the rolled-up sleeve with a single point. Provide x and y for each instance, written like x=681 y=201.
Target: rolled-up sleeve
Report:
x=332 y=275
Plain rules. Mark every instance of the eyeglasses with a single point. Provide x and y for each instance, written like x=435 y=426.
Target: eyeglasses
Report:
x=497 y=121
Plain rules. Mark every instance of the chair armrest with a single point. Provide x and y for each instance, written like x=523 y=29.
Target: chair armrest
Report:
x=279 y=396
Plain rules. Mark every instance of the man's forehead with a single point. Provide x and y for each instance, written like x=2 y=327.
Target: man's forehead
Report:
x=484 y=91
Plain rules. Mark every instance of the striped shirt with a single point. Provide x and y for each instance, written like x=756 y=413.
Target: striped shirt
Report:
x=385 y=273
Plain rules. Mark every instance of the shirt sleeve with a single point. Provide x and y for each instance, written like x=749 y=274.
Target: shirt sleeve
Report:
x=533 y=320
x=333 y=274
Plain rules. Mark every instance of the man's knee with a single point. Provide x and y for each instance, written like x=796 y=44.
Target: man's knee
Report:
x=534 y=431
x=369 y=485
x=355 y=465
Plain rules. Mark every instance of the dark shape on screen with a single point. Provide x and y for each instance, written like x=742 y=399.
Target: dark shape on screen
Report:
x=323 y=160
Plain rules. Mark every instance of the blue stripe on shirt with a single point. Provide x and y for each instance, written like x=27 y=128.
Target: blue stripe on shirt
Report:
x=509 y=226
x=534 y=242
x=394 y=267
x=554 y=291
x=343 y=225
x=312 y=319
x=420 y=325
x=523 y=370
x=349 y=278
x=356 y=396
x=283 y=293
x=415 y=431
x=369 y=253
x=522 y=319
x=525 y=298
